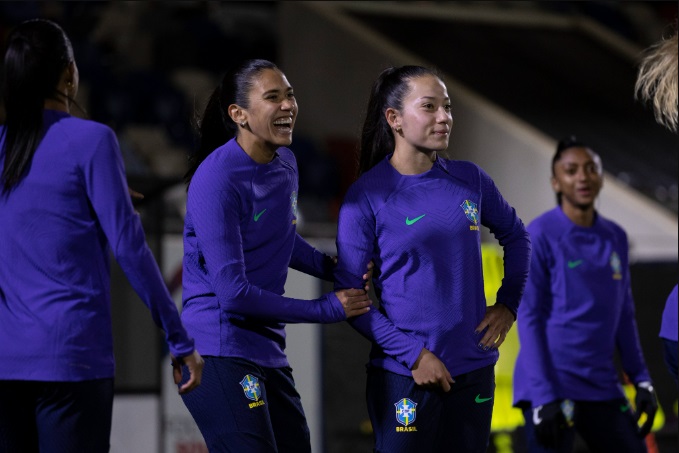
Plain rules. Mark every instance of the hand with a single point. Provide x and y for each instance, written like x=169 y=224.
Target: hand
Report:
x=498 y=320
x=354 y=301
x=368 y=275
x=194 y=363
x=646 y=402
x=550 y=423
x=430 y=372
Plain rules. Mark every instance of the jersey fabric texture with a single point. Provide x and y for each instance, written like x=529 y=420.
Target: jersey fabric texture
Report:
x=422 y=233
x=668 y=326
x=576 y=310
x=56 y=227
x=239 y=240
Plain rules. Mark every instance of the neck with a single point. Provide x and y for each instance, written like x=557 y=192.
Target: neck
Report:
x=412 y=162
x=260 y=152
x=580 y=216
x=60 y=103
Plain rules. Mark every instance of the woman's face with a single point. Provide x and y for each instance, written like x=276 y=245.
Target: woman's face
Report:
x=578 y=177
x=272 y=109
x=425 y=119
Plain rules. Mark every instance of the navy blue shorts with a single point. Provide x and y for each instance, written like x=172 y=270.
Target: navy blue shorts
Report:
x=409 y=418
x=55 y=417
x=241 y=407
x=603 y=425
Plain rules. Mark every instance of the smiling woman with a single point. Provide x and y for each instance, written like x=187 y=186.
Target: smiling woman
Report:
x=576 y=311
x=417 y=216
x=239 y=240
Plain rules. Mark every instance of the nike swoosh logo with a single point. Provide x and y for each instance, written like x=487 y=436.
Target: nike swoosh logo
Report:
x=574 y=264
x=410 y=222
x=258 y=215
x=478 y=399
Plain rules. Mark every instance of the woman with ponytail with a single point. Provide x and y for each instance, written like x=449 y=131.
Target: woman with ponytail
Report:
x=417 y=216
x=239 y=240
x=65 y=206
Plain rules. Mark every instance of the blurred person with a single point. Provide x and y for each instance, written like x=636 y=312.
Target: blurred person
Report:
x=577 y=310
x=668 y=333
x=417 y=216
x=65 y=205
x=239 y=240
x=657 y=80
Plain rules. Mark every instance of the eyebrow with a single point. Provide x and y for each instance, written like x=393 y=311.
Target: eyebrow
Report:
x=434 y=98
x=276 y=91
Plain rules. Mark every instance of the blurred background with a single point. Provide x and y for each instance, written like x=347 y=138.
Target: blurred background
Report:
x=521 y=75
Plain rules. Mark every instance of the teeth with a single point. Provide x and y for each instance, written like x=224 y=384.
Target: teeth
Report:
x=283 y=121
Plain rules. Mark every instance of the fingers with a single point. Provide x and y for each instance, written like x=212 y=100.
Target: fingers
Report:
x=354 y=301
x=194 y=363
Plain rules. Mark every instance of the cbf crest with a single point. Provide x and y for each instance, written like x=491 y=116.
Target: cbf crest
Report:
x=293 y=203
x=616 y=266
x=252 y=390
x=406 y=413
x=472 y=212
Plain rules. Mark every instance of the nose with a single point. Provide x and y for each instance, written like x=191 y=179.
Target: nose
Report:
x=289 y=104
x=444 y=116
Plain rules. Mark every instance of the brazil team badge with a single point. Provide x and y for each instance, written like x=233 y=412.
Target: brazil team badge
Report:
x=252 y=391
x=616 y=266
x=406 y=413
x=472 y=212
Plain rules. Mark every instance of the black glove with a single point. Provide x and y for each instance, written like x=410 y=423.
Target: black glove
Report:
x=646 y=402
x=550 y=424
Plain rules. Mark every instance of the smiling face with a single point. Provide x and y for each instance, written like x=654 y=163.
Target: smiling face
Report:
x=424 y=120
x=577 y=177
x=271 y=113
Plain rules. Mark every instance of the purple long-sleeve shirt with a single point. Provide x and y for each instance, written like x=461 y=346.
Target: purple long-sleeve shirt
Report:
x=57 y=227
x=423 y=234
x=239 y=240
x=576 y=311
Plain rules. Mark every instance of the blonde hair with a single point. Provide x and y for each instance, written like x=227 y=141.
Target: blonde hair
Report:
x=657 y=80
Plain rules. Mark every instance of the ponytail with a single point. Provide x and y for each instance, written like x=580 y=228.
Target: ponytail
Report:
x=37 y=53
x=216 y=127
x=388 y=91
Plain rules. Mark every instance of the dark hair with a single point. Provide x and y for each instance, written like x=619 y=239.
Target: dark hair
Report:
x=37 y=53
x=216 y=127
x=389 y=90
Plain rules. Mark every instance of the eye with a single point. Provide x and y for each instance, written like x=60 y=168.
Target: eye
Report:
x=291 y=95
x=428 y=106
x=447 y=107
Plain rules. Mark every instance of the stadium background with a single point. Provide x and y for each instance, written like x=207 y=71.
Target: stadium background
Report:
x=521 y=75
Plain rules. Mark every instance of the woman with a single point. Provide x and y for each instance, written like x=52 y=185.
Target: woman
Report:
x=239 y=240
x=64 y=201
x=576 y=311
x=417 y=216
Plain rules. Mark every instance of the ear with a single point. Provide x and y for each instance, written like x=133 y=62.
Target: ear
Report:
x=556 y=187
x=393 y=118
x=237 y=114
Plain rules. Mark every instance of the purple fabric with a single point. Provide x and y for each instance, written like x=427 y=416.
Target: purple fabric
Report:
x=239 y=240
x=576 y=311
x=423 y=234
x=57 y=229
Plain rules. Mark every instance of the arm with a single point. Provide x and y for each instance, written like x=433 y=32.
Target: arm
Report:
x=215 y=210
x=106 y=186
x=508 y=228
x=355 y=239
x=536 y=308
x=307 y=259
x=511 y=233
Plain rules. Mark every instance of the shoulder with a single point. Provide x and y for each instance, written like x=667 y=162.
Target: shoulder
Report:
x=611 y=226
x=547 y=224
x=287 y=156
x=79 y=127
